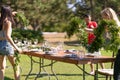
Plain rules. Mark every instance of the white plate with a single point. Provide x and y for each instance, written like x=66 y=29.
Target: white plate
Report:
x=35 y=50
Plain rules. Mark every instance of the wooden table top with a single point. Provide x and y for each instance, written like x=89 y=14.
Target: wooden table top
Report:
x=73 y=60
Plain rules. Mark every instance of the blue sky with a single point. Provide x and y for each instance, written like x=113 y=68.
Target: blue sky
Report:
x=72 y=5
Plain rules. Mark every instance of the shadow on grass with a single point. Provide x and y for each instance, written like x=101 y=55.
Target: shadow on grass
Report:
x=7 y=78
x=54 y=75
x=66 y=74
x=46 y=75
x=72 y=43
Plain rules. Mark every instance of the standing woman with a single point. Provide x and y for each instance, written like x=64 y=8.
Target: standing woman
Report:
x=7 y=45
x=110 y=14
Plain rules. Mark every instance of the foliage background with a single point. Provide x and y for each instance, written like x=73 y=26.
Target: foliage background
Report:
x=54 y=15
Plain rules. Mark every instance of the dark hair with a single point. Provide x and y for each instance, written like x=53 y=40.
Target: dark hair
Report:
x=6 y=12
x=86 y=15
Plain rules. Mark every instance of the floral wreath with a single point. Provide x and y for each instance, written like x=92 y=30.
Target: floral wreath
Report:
x=109 y=40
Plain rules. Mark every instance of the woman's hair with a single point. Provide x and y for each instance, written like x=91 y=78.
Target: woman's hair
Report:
x=6 y=12
x=110 y=14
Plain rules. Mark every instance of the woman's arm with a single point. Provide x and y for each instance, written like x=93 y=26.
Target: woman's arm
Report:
x=89 y=29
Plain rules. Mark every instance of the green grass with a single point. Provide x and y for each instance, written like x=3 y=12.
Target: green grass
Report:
x=64 y=71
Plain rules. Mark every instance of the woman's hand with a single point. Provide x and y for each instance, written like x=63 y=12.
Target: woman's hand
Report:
x=20 y=51
x=14 y=13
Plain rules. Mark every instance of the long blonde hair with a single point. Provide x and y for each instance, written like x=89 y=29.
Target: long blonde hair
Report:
x=111 y=14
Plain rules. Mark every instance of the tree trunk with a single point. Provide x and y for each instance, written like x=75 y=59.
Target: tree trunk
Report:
x=92 y=13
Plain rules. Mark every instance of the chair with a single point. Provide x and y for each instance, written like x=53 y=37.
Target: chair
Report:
x=106 y=72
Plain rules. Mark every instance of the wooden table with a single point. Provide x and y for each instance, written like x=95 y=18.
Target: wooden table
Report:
x=60 y=57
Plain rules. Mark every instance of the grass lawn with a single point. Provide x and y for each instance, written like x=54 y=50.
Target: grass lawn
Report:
x=64 y=71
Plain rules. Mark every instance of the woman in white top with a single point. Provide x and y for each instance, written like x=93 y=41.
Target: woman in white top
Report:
x=110 y=14
x=7 y=45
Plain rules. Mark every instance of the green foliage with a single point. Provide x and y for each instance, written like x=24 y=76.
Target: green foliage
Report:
x=21 y=18
x=73 y=26
x=109 y=41
x=17 y=59
x=29 y=34
x=45 y=14
x=76 y=26
x=82 y=34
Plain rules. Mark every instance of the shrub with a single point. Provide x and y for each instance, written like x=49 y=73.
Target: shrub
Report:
x=29 y=34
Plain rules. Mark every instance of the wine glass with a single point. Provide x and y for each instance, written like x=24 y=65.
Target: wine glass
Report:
x=44 y=45
x=29 y=42
x=25 y=41
x=97 y=53
x=16 y=40
x=60 y=47
x=19 y=43
x=35 y=41
x=81 y=54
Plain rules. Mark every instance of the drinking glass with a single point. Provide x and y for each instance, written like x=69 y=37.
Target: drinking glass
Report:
x=45 y=45
x=97 y=53
x=25 y=41
x=19 y=43
x=29 y=42
x=81 y=54
x=60 y=47
x=35 y=41
x=16 y=40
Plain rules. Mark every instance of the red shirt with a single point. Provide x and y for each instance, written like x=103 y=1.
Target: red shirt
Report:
x=91 y=36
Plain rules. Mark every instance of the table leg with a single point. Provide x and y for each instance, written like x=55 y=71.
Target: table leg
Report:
x=83 y=69
x=83 y=72
x=41 y=66
x=39 y=69
x=31 y=68
x=53 y=70
x=96 y=73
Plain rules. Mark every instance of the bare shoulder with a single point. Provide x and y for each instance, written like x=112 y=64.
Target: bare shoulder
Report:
x=7 y=23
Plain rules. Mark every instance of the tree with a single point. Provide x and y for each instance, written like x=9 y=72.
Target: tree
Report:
x=50 y=15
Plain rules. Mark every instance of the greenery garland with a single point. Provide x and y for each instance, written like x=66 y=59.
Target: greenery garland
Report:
x=108 y=43
x=21 y=17
x=73 y=26
x=17 y=59
x=76 y=26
